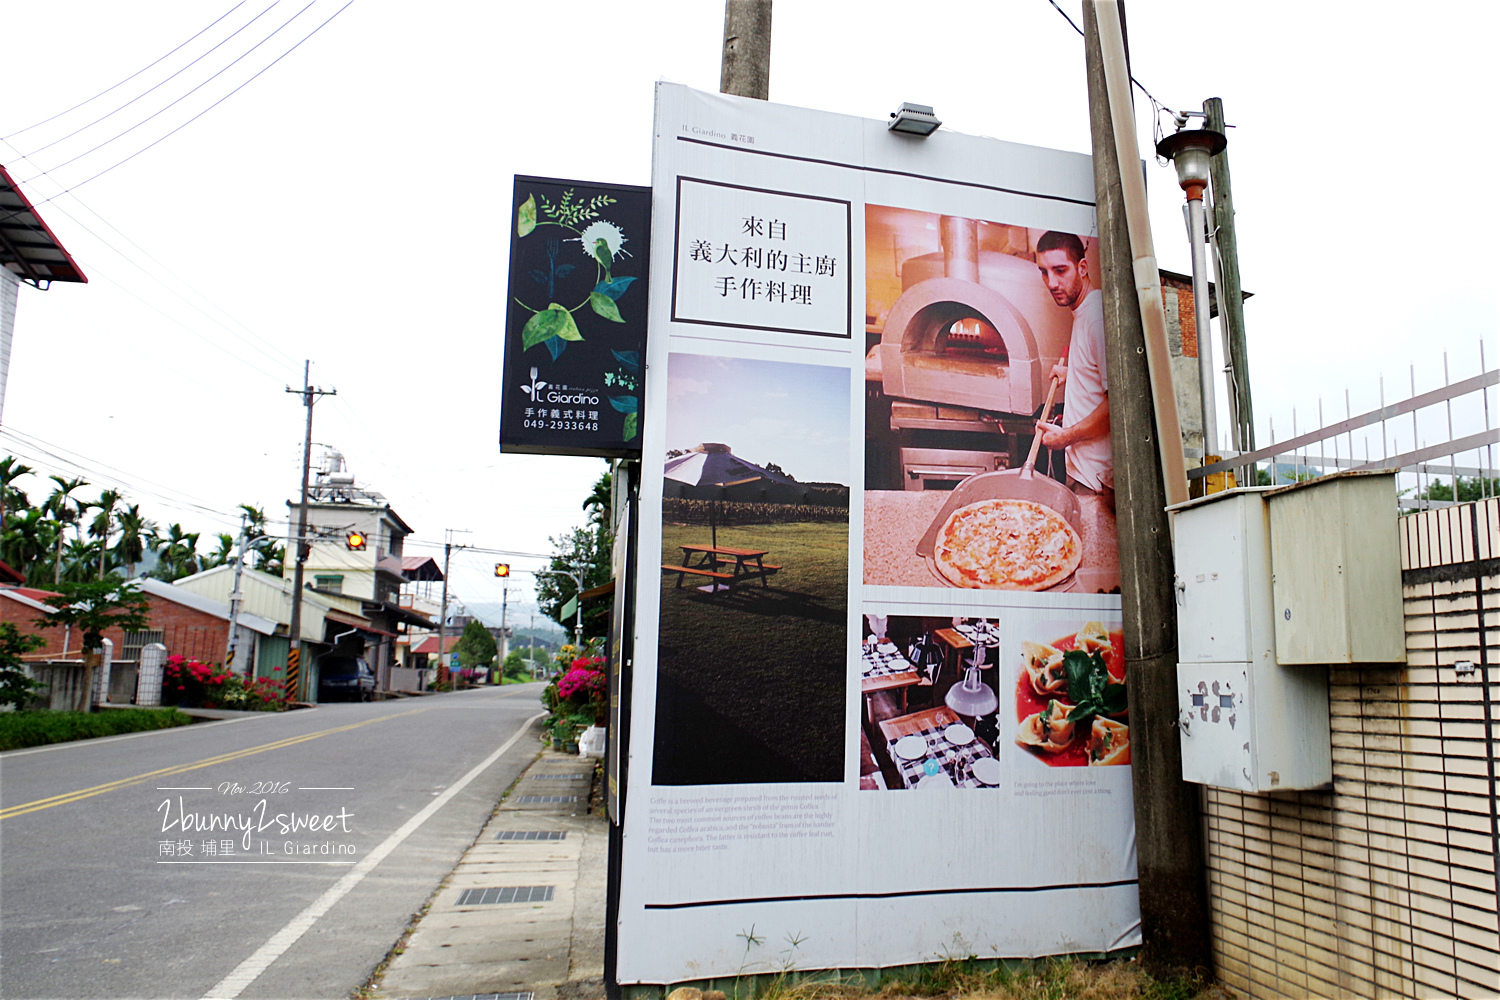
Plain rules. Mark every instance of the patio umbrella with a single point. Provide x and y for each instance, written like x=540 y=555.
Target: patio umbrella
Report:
x=713 y=472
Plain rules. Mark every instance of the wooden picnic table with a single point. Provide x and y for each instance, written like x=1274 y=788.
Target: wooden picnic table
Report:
x=713 y=561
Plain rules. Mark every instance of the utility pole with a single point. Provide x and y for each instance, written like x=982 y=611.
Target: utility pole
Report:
x=443 y=614
x=235 y=597
x=294 y=654
x=745 y=69
x=1174 y=904
x=1231 y=299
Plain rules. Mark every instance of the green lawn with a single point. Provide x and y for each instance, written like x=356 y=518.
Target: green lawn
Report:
x=751 y=683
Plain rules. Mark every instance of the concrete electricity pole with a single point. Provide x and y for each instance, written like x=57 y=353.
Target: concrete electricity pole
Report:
x=1231 y=300
x=294 y=654
x=745 y=69
x=1174 y=905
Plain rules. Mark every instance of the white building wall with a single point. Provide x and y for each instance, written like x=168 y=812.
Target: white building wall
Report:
x=9 y=283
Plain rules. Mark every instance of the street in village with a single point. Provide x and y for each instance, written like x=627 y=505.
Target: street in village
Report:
x=101 y=901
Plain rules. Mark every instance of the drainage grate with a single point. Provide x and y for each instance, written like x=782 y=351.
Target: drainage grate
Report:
x=506 y=894
x=548 y=798
x=558 y=777
x=531 y=835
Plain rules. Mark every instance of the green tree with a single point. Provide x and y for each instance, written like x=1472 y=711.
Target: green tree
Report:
x=28 y=540
x=135 y=534
x=178 y=552
x=476 y=647
x=66 y=509
x=103 y=524
x=267 y=553
x=94 y=606
x=222 y=554
x=16 y=686
x=1469 y=488
x=585 y=551
x=11 y=496
x=516 y=669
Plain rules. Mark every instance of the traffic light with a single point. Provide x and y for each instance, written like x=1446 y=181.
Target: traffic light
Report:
x=354 y=541
x=502 y=569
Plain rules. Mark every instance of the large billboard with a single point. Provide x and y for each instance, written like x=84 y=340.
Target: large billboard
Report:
x=878 y=710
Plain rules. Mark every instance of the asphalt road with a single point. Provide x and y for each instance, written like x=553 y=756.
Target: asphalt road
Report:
x=98 y=900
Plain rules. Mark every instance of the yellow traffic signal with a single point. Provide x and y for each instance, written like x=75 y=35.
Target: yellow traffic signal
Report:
x=355 y=541
x=502 y=569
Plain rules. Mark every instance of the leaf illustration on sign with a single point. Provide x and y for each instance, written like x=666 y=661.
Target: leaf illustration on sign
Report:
x=631 y=425
x=605 y=306
x=526 y=217
x=630 y=359
x=625 y=404
x=615 y=288
x=602 y=241
x=553 y=321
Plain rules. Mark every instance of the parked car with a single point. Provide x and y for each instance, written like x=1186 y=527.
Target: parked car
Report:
x=345 y=678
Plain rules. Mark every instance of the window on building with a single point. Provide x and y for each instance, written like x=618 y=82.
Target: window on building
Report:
x=137 y=641
x=329 y=584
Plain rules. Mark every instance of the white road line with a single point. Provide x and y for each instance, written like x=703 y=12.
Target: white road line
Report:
x=232 y=985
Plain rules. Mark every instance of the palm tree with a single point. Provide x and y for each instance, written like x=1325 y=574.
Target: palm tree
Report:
x=79 y=560
x=179 y=553
x=10 y=471
x=57 y=505
x=103 y=522
x=28 y=540
x=221 y=555
x=135 y=532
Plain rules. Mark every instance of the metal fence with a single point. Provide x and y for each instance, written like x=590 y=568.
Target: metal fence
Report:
x=1431 y=473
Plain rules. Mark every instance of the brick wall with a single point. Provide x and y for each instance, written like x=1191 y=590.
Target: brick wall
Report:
x=187 y=631
x=1386 y=885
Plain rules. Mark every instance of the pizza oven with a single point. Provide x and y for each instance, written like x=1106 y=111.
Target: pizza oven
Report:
x=972 y=328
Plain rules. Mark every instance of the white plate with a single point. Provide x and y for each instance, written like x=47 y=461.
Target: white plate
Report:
x=959 y=734
x=986 y=771
x=939 y=780
x=911 y=747
x=886 y=647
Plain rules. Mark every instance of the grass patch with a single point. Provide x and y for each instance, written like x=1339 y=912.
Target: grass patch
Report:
x=1046 y=979
x=751 y=682
x=34 y=729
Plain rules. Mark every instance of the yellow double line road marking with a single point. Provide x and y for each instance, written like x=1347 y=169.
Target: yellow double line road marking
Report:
x=84 y=793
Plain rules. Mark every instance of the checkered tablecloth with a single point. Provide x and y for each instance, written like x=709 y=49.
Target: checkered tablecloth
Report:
x=954 y=760
x=980 y=633
x=874 y=663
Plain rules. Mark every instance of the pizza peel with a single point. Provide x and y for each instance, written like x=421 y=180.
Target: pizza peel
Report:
x=1008 y=484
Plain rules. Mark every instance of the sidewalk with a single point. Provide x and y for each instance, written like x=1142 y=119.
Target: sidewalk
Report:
x=523 y=913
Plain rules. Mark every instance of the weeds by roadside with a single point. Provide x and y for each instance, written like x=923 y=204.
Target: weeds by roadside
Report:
x=34 y=729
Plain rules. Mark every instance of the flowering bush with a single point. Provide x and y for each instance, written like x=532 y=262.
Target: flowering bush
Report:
x=584 y=682
x=191 y=682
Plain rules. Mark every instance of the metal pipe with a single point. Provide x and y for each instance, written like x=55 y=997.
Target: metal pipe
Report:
x=960 y=238
x=1147 y=272
x=1200 y=325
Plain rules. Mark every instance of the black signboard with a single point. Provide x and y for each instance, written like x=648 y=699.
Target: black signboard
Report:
x=575 y=319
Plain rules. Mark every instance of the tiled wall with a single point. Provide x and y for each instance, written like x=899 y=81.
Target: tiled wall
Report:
x=1386 y=885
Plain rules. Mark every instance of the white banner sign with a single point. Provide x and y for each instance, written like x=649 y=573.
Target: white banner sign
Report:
x=878 y=712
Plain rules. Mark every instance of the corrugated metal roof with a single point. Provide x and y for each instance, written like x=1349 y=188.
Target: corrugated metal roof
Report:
x=27 y=246
x=423 y=568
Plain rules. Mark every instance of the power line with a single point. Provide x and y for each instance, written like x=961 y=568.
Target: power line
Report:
x=163 y=83
x=200 y=114
x=132 y=76
x=1154 y=101
x=190 y=93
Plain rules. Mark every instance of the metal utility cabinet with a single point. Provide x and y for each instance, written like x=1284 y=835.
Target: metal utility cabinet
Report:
x=1245 y=722
x=1274 y=584
x=1337 y=570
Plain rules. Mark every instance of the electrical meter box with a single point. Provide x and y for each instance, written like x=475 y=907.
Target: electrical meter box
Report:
x=1336 y=565
x=1245 y=721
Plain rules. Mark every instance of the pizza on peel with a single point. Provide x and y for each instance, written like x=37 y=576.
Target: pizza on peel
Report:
x=1006 y=545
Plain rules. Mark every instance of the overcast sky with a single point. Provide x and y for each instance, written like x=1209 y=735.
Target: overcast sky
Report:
x=351 y=205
